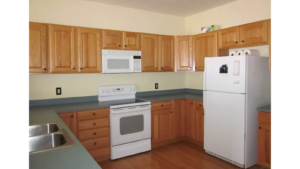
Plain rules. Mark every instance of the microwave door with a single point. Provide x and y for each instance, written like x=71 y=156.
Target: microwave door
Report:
x=117 y=64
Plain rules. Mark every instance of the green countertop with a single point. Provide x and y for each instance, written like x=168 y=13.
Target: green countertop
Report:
x=265 y=109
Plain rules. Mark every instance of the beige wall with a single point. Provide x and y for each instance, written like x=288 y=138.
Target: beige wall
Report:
x=98 y=15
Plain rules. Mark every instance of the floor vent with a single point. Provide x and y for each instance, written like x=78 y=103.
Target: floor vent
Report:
x=225 y=159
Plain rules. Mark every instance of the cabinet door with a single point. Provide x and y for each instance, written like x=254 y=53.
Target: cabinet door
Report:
x=184 y=53
x=254 y=33
x=89 y=50
x=62 y=49
x=264 y=145
x=199 y=121
x=166 y=53
x=70 y=120
x=178 y=118
x=132 y=41
x=161 y=125
x=112 y=39
x=189 y=110
x=205 y=45
x=150 y=53
x=37 y=48
x=229 y=37
x=269 y=39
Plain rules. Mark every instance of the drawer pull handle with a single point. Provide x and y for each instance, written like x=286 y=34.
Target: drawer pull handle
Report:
x=200 y=105
x=95 y=143
x=191 y=103
x=94 y=123
x=94 y=133
x=94 y=114
x=259 y=127
x=162 y=105
x=72 y=116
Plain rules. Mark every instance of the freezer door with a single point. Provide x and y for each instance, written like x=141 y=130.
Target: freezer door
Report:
x=225 y=74
x=224 y=125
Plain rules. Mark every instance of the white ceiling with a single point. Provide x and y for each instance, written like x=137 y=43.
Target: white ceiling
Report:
x=173 y=7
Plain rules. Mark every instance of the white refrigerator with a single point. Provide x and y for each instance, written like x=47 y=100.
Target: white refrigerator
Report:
x=234 y=87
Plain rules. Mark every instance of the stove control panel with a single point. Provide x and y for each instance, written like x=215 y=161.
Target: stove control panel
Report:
x=116 y=90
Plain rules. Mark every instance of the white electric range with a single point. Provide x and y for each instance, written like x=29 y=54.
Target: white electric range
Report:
x=130 y=120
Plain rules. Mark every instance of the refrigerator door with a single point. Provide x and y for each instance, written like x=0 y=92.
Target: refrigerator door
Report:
x=225 y=74
x=224 y=125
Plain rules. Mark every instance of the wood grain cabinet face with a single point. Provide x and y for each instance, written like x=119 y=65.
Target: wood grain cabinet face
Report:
x=112 y=39
x=205 y=45
x=229 y=37
x=150 y=53
x=62 y=49
x=199 y=121
x=269 y=39
x=184 y=53
x=254 y=33
x=37 y=48
x=132 y=41
x=166 y=53
x=190 y=126
x=89 y=50
x=70 y=119
x=161 y=125
x=264 y=139
x=178 y=118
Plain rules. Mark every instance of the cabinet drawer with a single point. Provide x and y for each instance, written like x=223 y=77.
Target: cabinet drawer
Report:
x=94 y=133
x=264 y=117
x=100 y=152
x=92 y=114
x=161 y=105
x=91 y=124
x=96 y=143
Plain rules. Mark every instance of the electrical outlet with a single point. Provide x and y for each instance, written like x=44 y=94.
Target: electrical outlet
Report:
x=58 y=91
x=156 y=85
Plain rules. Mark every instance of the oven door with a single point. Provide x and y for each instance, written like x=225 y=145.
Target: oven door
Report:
x=117 y=64
x=130 y=124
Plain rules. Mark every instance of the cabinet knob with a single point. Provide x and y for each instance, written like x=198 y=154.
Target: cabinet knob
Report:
x=195 y=67
x=156 y=68
x=95 y=143
x=94 y=124
x=243 y=41
x=72 y=116
x=94 y=133
x=200 y=105
x=81 y=68
x=191 y=103
x=94 y=114
x=125 y=46
x=259 y=127
x=119 y=45
x=171 y=112
x=162 y=105
x=45 y=69
x=161 y=67
x=236 y=42
x=191 y=67
x=73 y=68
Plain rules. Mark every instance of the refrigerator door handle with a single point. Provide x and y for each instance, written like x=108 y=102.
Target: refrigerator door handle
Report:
x=204 y=86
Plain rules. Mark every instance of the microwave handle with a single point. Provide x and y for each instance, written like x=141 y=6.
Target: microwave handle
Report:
x=132 y=64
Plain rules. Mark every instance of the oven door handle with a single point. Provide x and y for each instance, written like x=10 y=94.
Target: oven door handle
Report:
x=130 y=109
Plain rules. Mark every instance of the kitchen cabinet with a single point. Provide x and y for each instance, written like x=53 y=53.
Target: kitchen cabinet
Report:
x=205 y=45
x=112 y=39
x=150 y=54
x=161 y=121
x=89 y=50
x=264 y=139
x=178 y=118
x=62 y=49
x=229 y=37
x=254 y=33
x=166 y=53
x=269 y=39
x=199 y=121
x=189 y=113
x=184 y=53
x=38 y=50
x=70 y=119
x=132 y=41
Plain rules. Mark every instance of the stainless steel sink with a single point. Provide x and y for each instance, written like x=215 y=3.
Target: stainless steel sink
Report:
x=48 y=136
x=43 y=129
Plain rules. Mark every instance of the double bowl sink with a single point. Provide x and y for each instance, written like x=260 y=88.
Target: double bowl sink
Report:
x=47 y=136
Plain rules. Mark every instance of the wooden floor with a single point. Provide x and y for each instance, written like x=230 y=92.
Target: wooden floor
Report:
x=180 y=155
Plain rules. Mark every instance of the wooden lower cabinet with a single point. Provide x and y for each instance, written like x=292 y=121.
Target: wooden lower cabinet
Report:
x=178 y=119
x=70 y=119
x=264 y=139
x=189 y=114
x=199 y=121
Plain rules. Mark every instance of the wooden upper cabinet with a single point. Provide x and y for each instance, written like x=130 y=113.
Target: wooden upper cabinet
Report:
x=190 y=120
x=166 y=53
x=269 y=39
x=112 y=39
x=184 y=53
x=178 y=118
x=199 y=121
x=205 y=45
x=132 y=41
x=70 y=120
x=62 y=49
x=229 y=37
x=150 y=61
x=37 y=48
x=89 y=51
x=254 y=33
x=161 y=125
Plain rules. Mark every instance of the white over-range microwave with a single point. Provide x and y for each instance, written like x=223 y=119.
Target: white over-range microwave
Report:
x=121 y=61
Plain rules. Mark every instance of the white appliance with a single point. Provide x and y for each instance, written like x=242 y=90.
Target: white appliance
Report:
x=233 y=88
x=121 y=61
x=130 y=120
